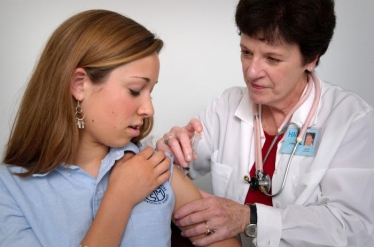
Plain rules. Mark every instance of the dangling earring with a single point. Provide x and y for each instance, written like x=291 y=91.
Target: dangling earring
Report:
x=79 y=116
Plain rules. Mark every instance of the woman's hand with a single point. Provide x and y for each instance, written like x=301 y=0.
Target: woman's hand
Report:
x=178 y=142
x=136 y=176
x=223 y=216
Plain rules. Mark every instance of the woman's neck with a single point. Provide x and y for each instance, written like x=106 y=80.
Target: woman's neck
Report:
x=271 y=119
x=272 y=116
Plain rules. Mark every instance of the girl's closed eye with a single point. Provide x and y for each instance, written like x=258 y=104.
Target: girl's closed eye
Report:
x=134 y=93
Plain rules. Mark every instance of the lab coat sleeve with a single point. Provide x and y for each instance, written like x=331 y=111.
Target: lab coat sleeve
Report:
x=14 y=228
x=201 y=165
x=211 y=132
x=269 y=225
x=343 y=213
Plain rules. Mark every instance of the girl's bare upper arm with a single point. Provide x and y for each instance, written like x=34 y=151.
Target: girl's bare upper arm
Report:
x=185 y=191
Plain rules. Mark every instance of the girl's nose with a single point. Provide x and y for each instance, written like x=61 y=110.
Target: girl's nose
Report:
x=146 y=109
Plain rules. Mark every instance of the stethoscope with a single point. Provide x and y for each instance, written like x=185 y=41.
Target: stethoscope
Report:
x=262 y=181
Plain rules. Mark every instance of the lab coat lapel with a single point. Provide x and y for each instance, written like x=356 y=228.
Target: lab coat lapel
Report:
x=246 y=154
x=302 y=112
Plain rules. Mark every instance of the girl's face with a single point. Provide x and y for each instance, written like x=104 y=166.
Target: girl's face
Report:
x=274 y=74
x=114 y=110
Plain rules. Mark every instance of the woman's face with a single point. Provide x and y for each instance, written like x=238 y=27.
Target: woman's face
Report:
x=114 y=110
x=274 y=74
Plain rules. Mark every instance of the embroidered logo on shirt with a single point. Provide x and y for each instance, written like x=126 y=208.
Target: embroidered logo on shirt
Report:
x=158 y=196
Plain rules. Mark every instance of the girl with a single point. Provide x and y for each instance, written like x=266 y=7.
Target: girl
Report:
x=74 y=172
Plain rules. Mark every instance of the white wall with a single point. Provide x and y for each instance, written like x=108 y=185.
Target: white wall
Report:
x=200 y=57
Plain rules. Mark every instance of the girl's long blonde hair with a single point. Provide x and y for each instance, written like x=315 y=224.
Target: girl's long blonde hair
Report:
x=45 y=133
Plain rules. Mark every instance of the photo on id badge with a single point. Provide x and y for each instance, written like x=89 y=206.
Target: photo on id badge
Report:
x=308 y=145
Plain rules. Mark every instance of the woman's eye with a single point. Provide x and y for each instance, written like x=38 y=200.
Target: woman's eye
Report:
x=134 y=93
x=244 y=52
x=273 y=60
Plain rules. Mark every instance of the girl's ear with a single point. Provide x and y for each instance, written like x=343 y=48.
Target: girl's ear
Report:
x=77 y=83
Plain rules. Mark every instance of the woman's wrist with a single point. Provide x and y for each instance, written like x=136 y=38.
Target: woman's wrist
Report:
x=246 y=216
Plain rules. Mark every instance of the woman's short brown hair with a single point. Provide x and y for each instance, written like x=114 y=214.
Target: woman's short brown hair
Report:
x=308 y=23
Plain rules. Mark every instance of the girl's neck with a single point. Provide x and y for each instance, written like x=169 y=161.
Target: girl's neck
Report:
x=90 y=156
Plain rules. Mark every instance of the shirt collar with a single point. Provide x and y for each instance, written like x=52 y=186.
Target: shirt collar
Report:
x=115 y=153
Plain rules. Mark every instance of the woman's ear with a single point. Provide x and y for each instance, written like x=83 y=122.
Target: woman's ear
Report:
x=77 y=83
x=310 y=66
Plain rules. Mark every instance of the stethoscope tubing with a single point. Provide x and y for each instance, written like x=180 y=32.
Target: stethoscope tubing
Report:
x=283 y=127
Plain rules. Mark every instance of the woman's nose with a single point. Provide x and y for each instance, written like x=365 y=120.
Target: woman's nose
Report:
x=254 y=69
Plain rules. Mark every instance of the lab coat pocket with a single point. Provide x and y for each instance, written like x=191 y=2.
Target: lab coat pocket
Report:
x=306 y=186
x=220 y=176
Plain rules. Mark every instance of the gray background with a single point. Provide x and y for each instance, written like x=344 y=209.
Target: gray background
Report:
x=200 y=58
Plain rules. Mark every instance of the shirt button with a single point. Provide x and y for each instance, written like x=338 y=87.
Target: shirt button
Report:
x=277 y=205
x=275 y=171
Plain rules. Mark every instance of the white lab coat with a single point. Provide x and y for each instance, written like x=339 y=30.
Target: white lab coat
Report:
x=328 y=200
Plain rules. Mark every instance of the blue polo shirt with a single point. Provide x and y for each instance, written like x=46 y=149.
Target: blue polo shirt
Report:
x=58 y=208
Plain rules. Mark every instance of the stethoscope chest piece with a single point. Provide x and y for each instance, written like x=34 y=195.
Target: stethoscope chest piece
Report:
x=261 y=182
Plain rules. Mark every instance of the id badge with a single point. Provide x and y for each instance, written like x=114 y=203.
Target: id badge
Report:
x=308 y=145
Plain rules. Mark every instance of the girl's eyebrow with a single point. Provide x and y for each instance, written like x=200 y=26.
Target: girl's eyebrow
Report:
x=144 y=78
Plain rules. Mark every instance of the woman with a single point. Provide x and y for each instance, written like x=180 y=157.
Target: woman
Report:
x=326 y=197
x=74 y=172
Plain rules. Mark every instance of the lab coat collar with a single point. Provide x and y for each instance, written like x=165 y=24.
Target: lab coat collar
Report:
x=302 y=112
x=244 y=110
x=245 y=113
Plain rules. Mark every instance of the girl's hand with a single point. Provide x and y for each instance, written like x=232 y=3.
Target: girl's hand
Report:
x=134 y=177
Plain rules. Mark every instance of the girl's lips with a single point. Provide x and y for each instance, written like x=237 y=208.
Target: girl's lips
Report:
x=134 y=131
